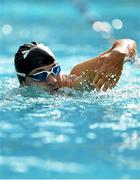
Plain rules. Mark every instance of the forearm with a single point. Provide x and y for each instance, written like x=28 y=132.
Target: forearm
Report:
x=120 y=50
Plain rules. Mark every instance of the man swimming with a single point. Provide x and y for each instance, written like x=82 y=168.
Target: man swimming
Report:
x=36 y=65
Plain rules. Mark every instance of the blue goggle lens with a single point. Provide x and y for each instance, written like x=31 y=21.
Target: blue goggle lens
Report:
x=56 y=70
x=42 y=76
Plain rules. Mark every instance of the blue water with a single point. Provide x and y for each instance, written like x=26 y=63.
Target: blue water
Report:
x=69 y=134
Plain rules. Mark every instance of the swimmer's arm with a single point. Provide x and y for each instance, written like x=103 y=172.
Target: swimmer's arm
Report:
x=111 y=69
x=123 y=47
x=109 y=62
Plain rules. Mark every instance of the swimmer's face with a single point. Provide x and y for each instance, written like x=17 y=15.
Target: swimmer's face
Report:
x=46 y=76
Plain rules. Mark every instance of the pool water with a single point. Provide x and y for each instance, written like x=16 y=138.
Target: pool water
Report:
x=69 y=134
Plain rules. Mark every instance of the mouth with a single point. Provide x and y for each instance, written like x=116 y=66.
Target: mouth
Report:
x=55 y=89
x=54 y=86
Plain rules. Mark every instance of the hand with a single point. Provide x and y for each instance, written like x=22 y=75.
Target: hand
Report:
x=109 y=70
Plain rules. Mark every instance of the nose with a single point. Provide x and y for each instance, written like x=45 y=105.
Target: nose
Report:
x=51 y=82
x=52 y=79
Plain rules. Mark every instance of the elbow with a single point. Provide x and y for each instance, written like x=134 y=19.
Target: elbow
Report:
x=125 y=41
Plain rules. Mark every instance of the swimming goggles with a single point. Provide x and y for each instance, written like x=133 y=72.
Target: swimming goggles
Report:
x=43 y=75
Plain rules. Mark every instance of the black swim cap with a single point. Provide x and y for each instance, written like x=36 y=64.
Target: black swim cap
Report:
x=30 y=56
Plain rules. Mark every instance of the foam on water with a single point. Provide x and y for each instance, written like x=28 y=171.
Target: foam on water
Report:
x=69 y=134
x=37 y=127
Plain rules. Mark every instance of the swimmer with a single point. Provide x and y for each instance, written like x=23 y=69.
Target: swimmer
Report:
x=36 y=65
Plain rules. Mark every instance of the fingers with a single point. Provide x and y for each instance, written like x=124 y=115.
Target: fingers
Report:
x=111 y=83
x=115 y=82
x=99 y=76
x=100 y=83
x=107 y=85
x=99 y=80
x=106 y=80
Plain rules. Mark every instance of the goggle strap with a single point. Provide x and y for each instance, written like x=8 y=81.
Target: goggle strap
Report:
x=40 y=72
x=21 y=74
x=24 y=75
x=49 y=72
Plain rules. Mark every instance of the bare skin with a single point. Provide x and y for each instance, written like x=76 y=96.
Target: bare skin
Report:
x=101 y=72
x=53 y=82
x=105 y=70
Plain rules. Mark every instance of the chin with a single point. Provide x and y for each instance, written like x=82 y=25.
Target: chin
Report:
x=54 y=88
x=58 y=86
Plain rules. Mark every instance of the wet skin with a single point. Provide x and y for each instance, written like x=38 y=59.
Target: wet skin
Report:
x=101 y=72
x=53 y=82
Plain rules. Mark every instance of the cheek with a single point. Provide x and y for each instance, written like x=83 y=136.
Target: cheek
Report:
x=30 y=82
x=42 y=84
x=36 y=83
